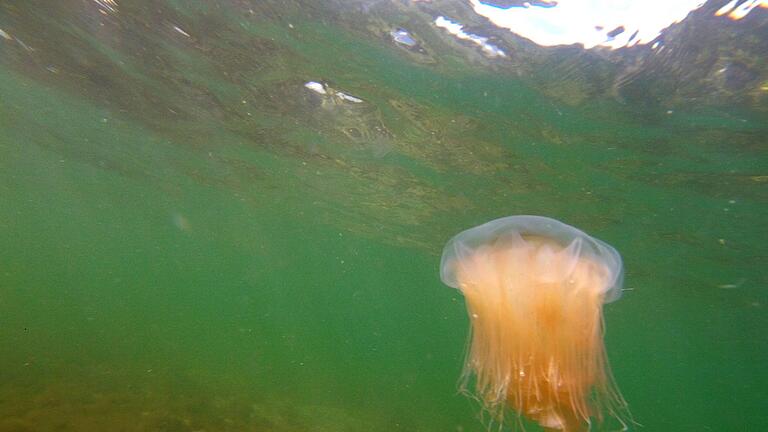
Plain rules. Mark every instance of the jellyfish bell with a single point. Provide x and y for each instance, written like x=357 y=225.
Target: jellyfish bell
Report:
x=534 y=290
x=512 y=229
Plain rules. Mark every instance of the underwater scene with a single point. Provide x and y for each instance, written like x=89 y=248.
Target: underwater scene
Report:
x=383 y=215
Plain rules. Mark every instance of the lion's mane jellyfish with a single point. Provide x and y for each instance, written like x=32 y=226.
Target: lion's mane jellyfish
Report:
x=534 y=290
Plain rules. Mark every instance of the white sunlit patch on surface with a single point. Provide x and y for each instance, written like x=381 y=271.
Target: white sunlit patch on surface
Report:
x=736 y=10
x=107 y=6
x=333 y=94
x=457 y=30
x=591 y=23
x=402 y=37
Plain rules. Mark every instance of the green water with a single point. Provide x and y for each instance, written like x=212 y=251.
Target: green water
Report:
x=191 y=241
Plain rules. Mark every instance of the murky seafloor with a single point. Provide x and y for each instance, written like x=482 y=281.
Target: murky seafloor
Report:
x=193 y=239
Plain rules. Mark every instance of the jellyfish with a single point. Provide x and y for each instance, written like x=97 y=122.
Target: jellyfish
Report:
x=534 y=290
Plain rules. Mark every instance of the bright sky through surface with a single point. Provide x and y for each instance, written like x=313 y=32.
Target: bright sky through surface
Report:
x=594 y=23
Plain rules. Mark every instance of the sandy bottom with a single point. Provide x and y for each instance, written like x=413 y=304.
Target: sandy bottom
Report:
x=123 y=403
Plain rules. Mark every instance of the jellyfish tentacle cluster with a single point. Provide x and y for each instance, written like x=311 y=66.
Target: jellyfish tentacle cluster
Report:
x=534 y=290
